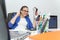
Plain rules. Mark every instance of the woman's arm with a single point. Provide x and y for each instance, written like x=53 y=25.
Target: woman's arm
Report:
x=30 y=25
x=34 y=23
x=14 y=18
x=12 y=21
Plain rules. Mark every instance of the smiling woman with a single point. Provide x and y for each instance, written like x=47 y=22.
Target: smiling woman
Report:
x=21 y=21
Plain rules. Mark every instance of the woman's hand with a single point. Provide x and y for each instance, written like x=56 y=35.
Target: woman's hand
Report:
x=18 y=13
x=14 y=18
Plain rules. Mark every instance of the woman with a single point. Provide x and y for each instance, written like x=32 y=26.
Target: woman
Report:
x=21 y=21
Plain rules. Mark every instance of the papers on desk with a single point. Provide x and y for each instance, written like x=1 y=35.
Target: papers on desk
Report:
x=15 y=35
x=21 y=35
x=27 y=38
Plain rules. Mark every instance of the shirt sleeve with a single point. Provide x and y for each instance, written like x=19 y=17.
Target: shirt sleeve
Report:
x=12 y=25
x=30 y=25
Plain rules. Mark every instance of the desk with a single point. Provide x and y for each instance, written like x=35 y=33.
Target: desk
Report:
x=47 y=36
x=17 y=34
x=55 y=35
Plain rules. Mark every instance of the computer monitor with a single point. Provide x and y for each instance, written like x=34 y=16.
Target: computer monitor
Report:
x=53 y=22
x=4 y=32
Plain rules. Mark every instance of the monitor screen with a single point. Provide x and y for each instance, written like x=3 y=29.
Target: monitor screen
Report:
x=53 y=22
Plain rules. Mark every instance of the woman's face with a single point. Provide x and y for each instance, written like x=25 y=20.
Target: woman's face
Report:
x=24 y=12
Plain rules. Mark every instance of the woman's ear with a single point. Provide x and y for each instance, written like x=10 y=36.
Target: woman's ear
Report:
x=20 y=11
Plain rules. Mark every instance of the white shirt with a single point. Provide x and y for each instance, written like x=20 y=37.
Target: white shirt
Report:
x=21 y=25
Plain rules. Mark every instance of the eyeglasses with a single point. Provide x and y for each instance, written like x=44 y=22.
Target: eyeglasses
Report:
x=25 y=11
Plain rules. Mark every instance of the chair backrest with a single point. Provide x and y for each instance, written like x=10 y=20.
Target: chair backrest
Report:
x=10 y=15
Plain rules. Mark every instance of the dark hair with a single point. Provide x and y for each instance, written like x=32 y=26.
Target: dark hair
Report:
x=22 y=8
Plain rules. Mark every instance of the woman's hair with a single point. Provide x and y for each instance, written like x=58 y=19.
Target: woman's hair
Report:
x=22 y=8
